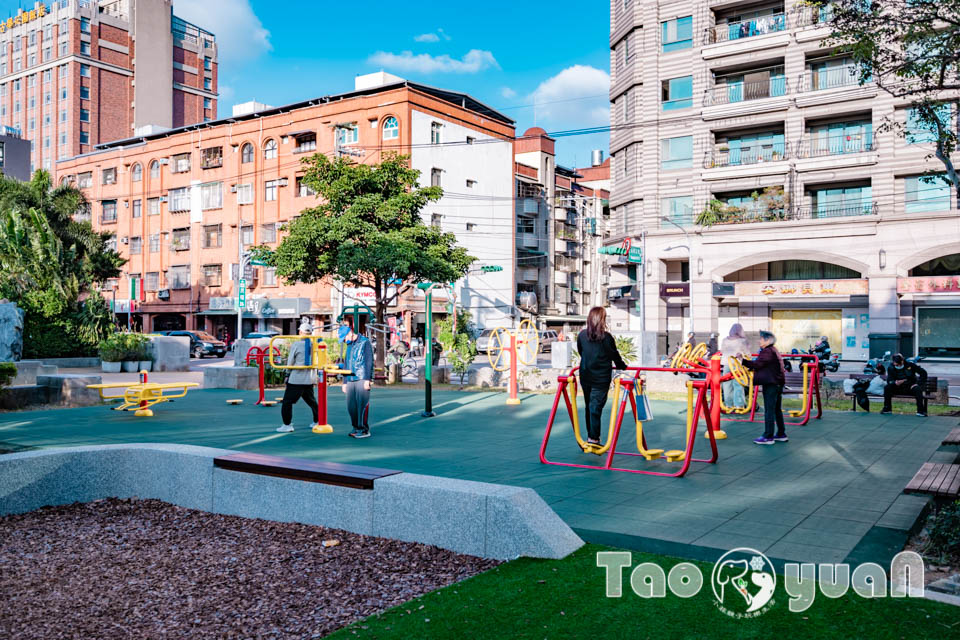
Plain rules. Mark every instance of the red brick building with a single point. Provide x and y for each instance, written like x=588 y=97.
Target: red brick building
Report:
x=77 y=73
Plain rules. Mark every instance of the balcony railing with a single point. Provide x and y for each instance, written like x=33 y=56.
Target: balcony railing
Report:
x=724 y=156
x=812 y=16
x=748 y=215
x=813 y=147
x=746 y=28
x=565 y=264
x=838 y=210
x=742 y=91
x=832 y=78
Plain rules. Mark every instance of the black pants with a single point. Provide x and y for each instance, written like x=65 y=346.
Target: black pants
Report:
x=595 y=396
x=773 y=410
x=358 y=404
x=291 y=394
x=890 y=389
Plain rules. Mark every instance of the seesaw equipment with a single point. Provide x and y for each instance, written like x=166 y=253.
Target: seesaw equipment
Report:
x=141 y=396
x=507 y=350
x=317 y=360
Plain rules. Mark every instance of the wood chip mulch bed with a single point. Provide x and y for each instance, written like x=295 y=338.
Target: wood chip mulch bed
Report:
x=147 y=569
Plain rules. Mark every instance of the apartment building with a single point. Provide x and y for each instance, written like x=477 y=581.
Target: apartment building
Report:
x=184 y=203
x=14 y=155
x=751 y=164
x=78 y=73
x=558 y=221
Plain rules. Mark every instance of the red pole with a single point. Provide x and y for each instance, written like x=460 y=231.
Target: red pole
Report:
x=713 y=380
x=261 y=364
x=513 y=370
x=143 y=380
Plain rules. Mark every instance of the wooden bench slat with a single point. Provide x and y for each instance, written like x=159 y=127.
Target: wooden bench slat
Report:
x=335 y=473
x=948 y=480
x=953 y=438
x=934 y=478
x=954 y=489
x=919 y=477
x=937 y=479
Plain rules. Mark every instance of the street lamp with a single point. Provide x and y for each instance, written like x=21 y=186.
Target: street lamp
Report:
x=427 y=288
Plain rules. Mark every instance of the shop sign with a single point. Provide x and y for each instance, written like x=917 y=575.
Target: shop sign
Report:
x=277 y=307
x=674 y=289
x=723 y=289
x=930 y=284
x=367 y=296
x=223 y=304
x=802 y=288
x=23 y=17
x=627 y=292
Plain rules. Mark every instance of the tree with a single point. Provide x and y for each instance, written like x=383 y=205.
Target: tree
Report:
x=911 y=49
x=368 y=232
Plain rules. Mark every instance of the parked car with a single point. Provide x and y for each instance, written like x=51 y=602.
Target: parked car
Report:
x=483 y=340
x=547 y=338
x=261 y=334
x=201 y=343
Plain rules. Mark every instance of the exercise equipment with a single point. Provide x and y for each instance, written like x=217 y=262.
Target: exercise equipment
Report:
x=257 y=355
x=508 y=349
x=317 y=360
x=139 y=397
x=744 y=377
x=809 y=391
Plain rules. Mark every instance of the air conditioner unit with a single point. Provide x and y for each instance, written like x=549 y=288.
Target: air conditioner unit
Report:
x=125 y=240
x=162 y=198
x=282 y=182
x=233 y=188
x=164 y=160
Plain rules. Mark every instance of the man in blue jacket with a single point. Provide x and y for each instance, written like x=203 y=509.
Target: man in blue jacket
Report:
x=356 y=386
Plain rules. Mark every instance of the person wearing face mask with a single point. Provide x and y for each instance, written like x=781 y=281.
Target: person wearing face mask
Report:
x=356 y=386
x=905 y=378
x=300 y=382
x=768 y=372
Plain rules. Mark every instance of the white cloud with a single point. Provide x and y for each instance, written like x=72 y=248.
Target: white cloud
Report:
x=427 y=37
x=508 y=93
x=576 y=97
x=474 y=61
x=240 y=34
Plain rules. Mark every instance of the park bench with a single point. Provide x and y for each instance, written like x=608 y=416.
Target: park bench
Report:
x=929 y=393
x=793 y=383
x=936 y=479
x=342 y=475
x=953 y=438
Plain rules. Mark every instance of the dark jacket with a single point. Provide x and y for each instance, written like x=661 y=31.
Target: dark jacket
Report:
x=912 y=373
x=768 y=367
x=712 y=347
x=359 y=360
x=597 y=359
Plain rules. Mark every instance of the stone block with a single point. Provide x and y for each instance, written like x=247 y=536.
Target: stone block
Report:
x=70 y=389
x=244 y=378
x=561 y=355
x=27 y=371
x=23 y=396
x=243 y=345
x=520 y=523
x=170 y=353
x=11 y=331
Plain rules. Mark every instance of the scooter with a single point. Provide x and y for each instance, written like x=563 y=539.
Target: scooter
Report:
x=829 y=361
x=878 y=366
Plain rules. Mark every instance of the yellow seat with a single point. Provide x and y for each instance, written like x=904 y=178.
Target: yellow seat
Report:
x=675 y=455
x=652 y=454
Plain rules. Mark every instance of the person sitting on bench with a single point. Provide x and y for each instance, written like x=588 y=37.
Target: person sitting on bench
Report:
x=905 y=378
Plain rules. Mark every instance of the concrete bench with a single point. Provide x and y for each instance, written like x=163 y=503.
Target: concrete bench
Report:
x=936 y=479
x=70 y=389
x=952 y=439
x=335 y=473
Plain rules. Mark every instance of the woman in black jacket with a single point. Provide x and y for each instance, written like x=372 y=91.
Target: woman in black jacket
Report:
x=598 y=355
x=768 y=372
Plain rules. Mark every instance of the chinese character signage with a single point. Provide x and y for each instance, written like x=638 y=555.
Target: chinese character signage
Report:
x=23 y=17
x=930 y=284
x=802 y=288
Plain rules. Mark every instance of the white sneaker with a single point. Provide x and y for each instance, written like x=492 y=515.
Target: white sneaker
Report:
x=286 y=428
x=313 y=425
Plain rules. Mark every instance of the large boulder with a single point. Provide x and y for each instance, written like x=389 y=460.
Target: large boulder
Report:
x=11 y=331
x=170 y=353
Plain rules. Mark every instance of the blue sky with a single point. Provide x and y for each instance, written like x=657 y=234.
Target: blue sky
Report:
x=509 y=55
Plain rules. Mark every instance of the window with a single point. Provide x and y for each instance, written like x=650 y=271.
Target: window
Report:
x=676 y=34
x=246 y=153
x=85 y=180
x=245 y=193
x=84 y=25
x=303 y=189
x=16 y=106
x=63 y=140
x=624 y=107
x=109 y=213
x=212 y=274
x=471 y=183
x=207 y=103
x=208 y=63
x=212 y=236
x=136 y=173
x=179 y=277
x=63 y=48
x=471 y=140
x=153 y=206
x=306 y=142
x=679 y=209
x=151 y=281
x=268 y=233
x=180 y=240
x=270 y=276
x=435 y=177
x=136 y=245
x=270 y=190
x=842 y=201
x=211 y=158
x=137 y=208
x=180 y=163
x=63 y=93
x=47 y=98
x=677 y=93
x=85 y=93
x=208 y=84
x=471 y=226
x=391 y=128
x=676 y=153
x=16 y=84
x=435 y=132
x=31 y=80
x=918 y=132
x=85 y=48
x=178 y=199
x=246 y=234
x=154 y=243
x=926 y=193
x=349 y=134
x=211 y=195
x=109 y=176
x=270 y=149
x=84 y=137
x=32 y=37
x=84 y=70
x=154 y=169
x=436 y=219
x=47 y=54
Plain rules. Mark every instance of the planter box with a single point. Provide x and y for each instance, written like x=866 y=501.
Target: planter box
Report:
x=111 y=367
x=130 y=366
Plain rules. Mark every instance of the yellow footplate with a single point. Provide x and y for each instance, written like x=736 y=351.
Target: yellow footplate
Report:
x=675 y=455
x=652 y=454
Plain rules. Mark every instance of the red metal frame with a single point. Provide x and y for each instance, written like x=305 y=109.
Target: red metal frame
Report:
x=814 y=390
x=258 y=355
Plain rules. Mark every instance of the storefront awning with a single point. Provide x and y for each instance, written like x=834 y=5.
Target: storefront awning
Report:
x=571 y=319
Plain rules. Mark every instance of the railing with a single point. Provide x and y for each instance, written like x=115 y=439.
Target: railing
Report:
x=108 y=218
x=840 y=210
x=832 y=78
x=565 y=264
x=724 y=156
x=743 y=91
x=528 y=191
x=746 y=29
x=836 y=145
x=813 y=16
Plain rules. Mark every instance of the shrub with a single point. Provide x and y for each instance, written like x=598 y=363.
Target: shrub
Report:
x=112 y=348
x=944 y=532
x=8 y=371
x=627 y=349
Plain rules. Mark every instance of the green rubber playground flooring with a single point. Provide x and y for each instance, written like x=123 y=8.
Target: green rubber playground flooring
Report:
x=834 y=492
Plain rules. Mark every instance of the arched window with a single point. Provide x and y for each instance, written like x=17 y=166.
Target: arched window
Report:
x=154 y=169
x=246 y=153
x=136 y=173
x=270 y=149
x=391 y=129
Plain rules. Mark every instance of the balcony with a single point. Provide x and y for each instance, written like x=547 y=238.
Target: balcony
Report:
x=746 y=29
x=528 y=206
x=723 y=155
x=731 y=214
x=819 y=147
x=734 y=92
x=563 y=263
x=847 y=75
x=528 y=240
x=838 y=210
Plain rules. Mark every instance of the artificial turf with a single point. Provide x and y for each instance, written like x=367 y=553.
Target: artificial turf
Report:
x=529 y=598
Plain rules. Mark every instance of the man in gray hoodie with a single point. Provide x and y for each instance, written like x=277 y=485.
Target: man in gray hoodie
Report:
x=300 y=382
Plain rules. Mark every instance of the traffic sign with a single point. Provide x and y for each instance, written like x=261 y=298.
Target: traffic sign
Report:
x=242 y=293
x=635 y=254
x=259 y=263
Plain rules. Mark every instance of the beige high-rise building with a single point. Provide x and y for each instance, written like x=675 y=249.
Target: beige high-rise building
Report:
x=751 y=164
